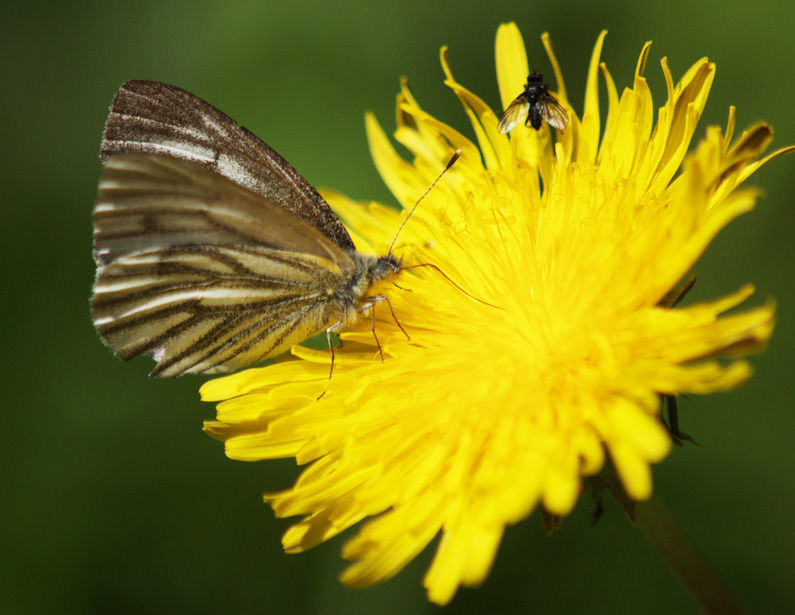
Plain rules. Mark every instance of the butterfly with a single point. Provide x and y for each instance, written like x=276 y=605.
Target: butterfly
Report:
x=535 y=104
x=212 y=252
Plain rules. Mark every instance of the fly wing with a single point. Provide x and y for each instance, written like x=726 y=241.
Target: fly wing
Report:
x=147 y=117
x=554 y=113
x=200 y=273
x=514 y=114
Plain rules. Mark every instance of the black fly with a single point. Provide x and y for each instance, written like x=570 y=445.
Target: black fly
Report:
x=535 y=104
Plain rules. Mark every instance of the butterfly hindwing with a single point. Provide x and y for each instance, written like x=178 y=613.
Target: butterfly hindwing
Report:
x=200 y=273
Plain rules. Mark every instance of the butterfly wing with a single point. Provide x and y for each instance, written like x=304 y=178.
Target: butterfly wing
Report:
x=202 y=274
x=554 y=113
x=514 y=114
x=148 y=117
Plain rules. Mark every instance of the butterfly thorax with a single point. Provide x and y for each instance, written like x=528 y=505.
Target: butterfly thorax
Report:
x=349 y=297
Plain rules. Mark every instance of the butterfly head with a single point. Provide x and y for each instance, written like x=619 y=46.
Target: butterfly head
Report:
x=384 y=267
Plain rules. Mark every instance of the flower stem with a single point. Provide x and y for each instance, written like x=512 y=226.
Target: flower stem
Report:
x=697 y=574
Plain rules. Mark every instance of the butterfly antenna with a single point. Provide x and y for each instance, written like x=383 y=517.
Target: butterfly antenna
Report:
x=455 y=157
x=447 y=277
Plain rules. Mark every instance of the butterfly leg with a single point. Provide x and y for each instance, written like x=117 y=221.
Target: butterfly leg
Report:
x=397 y=322
x=372 y=301
x=371 y=306
x=335 y=328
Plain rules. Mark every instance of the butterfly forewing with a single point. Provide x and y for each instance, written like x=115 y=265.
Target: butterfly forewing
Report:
x=202 y=274
x=148 y=117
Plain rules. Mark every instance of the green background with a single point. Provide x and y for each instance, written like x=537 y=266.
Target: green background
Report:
x=114 y=501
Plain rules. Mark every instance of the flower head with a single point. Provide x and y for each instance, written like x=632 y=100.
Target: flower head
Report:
x=503 y=398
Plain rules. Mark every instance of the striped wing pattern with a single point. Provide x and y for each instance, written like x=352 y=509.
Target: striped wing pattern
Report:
x=148 y=117
x=202 y=274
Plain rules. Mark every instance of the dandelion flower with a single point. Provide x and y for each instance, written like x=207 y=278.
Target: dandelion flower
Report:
x=504 y=398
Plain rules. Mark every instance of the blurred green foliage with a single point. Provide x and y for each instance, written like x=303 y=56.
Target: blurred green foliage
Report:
x=116 y=502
